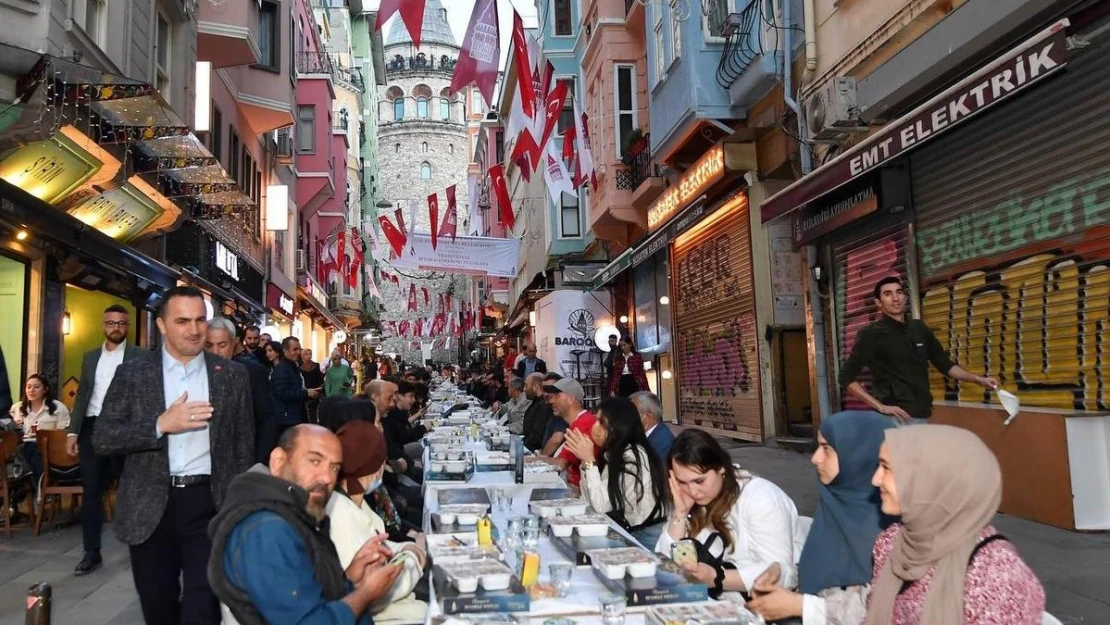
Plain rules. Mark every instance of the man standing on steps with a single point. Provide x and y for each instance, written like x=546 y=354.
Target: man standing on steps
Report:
x=97 y=371
x=898 y=350
x=185 y=421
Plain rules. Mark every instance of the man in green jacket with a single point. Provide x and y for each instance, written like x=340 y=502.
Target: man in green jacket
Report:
x=339 y=379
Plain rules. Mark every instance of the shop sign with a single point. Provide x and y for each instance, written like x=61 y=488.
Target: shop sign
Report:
x=121 y=213
x=709 y=169
x=653 y=244
x=317 y=293
x=1039 y=57
x=227 y=261
x=822 y=219
x=276 y=299
x=49 y=170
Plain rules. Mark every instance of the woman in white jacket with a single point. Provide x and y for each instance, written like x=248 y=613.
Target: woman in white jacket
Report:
x=631 y=488
x=739 y=524
x=353 y=522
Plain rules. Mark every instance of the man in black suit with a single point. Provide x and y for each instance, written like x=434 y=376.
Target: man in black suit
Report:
x=183 y=419
x=530 y=364
x=97 y=371
x=220 y=341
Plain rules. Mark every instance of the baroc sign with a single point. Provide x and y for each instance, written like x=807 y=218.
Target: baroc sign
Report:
x=1036 y=59
x=709 y=169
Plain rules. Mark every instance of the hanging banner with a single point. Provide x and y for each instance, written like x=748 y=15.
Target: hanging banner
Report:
x=469 y=255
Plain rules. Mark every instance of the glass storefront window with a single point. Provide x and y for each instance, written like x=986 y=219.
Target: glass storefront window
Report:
x=13 y=297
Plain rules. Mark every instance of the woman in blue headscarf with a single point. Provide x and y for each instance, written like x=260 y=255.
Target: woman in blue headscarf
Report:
x=834 y=572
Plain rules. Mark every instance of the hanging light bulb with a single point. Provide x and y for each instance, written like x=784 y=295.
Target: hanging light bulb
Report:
x=67 y=323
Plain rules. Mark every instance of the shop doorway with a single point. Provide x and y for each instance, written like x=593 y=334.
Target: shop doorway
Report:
x=793 y=410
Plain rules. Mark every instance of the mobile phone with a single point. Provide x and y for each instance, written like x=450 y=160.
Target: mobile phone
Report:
x=685 y=553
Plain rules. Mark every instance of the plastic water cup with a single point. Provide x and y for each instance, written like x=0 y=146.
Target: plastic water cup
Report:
x=612 y=609
x=561 y=573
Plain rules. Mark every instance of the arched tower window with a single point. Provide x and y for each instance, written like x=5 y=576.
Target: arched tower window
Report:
x=423 y=94
x=397 y=97
x=424 y=147
x=445 y=104
x=426 y=171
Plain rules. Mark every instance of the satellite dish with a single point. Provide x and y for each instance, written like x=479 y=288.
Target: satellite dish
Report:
x=602 y=334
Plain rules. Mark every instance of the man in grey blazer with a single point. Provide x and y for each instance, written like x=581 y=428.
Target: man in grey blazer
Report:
x=184 y=421
x=97 y=370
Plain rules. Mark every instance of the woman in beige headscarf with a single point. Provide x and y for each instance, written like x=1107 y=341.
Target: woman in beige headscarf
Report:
x=944 y=564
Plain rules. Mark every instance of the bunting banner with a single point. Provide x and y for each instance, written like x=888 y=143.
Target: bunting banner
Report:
x=474 y=216
x=450 y=223
x=359 y=258
x=448 y=302
x=399 y=214
x=412 y=15
x=419 y=327
x=412 y=298
x=479 y=256
x=504 y=204
x=480 y=54
x=372 y=288
x=556 y=176
x=523 y=67
x=584 y=160
x=424 y=290
x=395 y=237
x=393 y=278
x=404 y=328
x=441 y=307
x=433 y=218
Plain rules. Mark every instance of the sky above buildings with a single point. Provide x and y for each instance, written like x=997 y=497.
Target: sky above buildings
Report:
x=458 y=16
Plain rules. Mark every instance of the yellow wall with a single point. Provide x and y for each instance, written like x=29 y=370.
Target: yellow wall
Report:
x=13 y=296
x=86 y=310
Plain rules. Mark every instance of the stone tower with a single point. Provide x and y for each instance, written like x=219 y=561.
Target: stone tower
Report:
x=422 y=149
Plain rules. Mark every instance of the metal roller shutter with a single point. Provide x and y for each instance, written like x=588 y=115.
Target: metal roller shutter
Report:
x=718 y=367
x=1013 y=216
x=859 y=263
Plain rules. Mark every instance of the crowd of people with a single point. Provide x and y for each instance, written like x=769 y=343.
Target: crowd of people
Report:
x=259 y=487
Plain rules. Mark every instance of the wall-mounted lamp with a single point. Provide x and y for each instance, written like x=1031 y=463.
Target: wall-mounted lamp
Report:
x=647 y=365
x=624 y=318
x=277 y=207
x=67 y=323
x=203 y=88
x=664 y=301
x=667 y=374
x=818 y=273
x=532 y=318
x=21 y=235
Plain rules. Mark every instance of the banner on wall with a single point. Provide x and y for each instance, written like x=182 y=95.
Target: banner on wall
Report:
x=469 y=255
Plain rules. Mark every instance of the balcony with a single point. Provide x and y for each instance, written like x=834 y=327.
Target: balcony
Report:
x=420 y=63
x=349 y=77
x=745 y=69
x=641 y=174
x=225 y=33
x=314 y=63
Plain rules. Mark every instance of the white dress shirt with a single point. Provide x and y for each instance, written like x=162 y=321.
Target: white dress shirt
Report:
x=105 y=372
x=189 y=452
x=764 y=527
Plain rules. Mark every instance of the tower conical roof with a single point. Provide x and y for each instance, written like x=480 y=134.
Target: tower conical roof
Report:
x=435 y=28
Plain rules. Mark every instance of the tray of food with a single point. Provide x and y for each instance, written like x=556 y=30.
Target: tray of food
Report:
x=702 y=613
x=462 y=513
x=583 y=525
x=468 y=576
x=624 y=561
x=558 y=507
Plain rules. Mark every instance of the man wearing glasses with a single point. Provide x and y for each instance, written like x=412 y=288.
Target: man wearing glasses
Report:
x=97 y=371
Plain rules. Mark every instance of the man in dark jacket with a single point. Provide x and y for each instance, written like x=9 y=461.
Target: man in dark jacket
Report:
x=220 y=340
x=538 y=413
x=272 y=559
x=530 y=364
x=290 y=394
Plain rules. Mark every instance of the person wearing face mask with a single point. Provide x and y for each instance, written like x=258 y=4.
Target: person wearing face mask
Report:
x=740 y=524
x=272 y=559
x=353 y=522
x=834 y=571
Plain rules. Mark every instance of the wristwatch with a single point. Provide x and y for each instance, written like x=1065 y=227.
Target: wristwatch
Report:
x=586 y=465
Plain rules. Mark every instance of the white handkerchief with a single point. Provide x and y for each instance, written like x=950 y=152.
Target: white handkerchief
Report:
x=1010 y=403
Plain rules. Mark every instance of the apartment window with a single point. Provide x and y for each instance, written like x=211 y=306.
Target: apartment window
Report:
x=216 y=135
x=92 y=15
x=422 y=108
x=425 y=171
x=676 y=38
x=625 y=105
x=660 y=50
x=269 y=43
x=570 y=220
x=233 y=157
x=564 y=22
x=566 y=116
x=716 y=12
x=500 y=146
x=246 y=176
x=306 y=133
x=164 y=34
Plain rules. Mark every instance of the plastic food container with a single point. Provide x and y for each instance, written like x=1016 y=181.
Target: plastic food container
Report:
x=617 y=563
x=455 y=466
x=489 y=574
x=462 y=513
x=559 y=507
x=585 y=525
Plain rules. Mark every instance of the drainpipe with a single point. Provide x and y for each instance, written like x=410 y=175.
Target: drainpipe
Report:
x=817 y=303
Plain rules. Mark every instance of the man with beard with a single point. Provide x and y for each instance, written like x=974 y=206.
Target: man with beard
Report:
x=252 y=343
x=97 y=370
x=272 y=560
x=183 y=419
x=538 y=414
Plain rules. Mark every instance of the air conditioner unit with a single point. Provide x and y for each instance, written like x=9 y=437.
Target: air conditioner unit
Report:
x=302 y=261
x=831 y=112
x=284 y=140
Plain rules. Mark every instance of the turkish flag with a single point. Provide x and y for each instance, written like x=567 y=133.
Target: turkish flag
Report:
x=450 y=223
x=526 y=153
x=412 y=298
x=419 y=327
x=433 y=218
x=481 y=52
x=424 y=290
x=359 y=258
x=404 y=328
x=441 y=307
x=395 y=237
x=400 y=215
x=525 y=92
x=393 y=278
x=412 y=14
x=504 y=204
x=553 y=108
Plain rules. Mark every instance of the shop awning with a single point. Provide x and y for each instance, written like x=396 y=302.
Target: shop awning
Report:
x=1039 y=57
